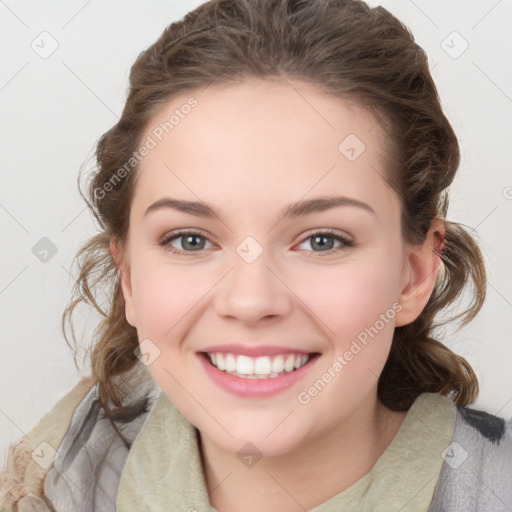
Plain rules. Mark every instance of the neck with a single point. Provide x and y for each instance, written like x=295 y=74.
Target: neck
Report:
x=349 y=450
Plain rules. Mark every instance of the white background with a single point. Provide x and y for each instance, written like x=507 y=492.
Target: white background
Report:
x=54 y=110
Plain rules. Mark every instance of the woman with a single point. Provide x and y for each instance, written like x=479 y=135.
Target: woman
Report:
x=273 y=208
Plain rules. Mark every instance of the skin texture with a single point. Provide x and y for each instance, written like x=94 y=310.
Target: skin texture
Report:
x=249 y=150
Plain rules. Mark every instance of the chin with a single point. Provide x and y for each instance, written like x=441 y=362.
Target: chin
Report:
x=255 y=440
x=260 y=447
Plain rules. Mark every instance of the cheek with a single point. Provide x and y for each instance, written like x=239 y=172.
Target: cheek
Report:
x=357 y=305
x=164 y=295
x=351 y=296
x=165 y=298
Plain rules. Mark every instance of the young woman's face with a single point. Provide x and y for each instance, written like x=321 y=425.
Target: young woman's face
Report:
x=269 y=272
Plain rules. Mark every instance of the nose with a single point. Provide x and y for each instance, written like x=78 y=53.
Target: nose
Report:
x=253 y=293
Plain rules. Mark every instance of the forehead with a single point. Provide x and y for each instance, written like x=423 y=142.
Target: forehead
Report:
x=260 y=139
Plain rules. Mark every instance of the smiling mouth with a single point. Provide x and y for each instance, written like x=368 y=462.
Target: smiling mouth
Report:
x=264 y=367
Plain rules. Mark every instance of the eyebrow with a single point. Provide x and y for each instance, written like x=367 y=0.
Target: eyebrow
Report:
x=298 y=209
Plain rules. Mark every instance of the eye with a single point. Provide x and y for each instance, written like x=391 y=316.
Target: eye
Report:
x=189 y=242
x=194 y=241
x=325 y=241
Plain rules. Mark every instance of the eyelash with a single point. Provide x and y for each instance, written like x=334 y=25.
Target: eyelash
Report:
x=166 y=239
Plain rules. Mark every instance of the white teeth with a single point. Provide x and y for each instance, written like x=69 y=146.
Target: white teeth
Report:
x=230 y=363
x=244 y=365
x=278 y=365
x=263 y=367
x=221 y=364
x=290 y=363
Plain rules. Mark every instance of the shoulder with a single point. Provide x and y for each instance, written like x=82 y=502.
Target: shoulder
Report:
x=29 y=458
x=90 y=459
x=76 y=441
x=476 y=474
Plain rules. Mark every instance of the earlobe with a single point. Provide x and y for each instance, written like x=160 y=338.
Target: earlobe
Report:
x=123 y=272
x=421 y=268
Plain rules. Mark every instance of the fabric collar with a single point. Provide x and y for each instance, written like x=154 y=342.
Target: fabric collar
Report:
x=164 y=464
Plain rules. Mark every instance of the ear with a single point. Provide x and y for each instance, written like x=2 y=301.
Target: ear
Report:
x=420 y=272
x=123 y=272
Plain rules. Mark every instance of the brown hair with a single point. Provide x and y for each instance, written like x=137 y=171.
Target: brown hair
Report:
x=346 y=49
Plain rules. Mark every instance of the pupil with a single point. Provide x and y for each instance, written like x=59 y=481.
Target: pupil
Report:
x=322 y=241
x=193 y=245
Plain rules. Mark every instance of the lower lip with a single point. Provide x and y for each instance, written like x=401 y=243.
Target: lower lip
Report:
x=254 y=387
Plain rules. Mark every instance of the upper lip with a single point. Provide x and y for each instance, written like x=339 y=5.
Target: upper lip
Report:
x=254 y=350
